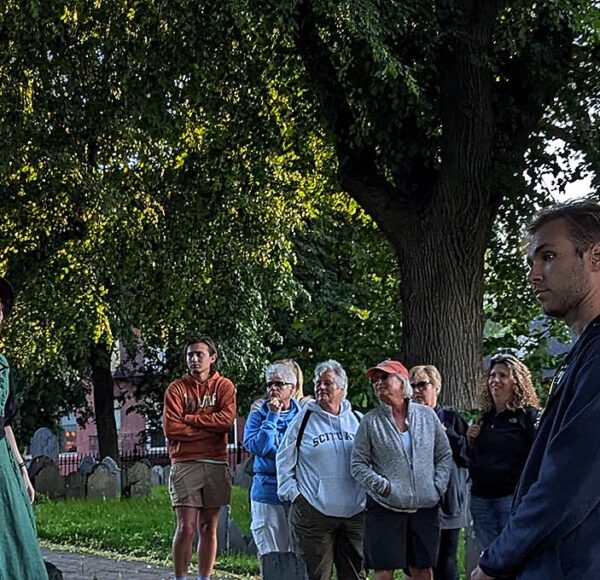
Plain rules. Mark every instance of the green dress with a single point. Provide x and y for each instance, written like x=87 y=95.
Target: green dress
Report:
x=20 y=557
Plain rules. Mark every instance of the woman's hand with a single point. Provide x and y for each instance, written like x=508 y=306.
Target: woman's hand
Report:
x=474 y=430
x=275 y=404
x=28 y=485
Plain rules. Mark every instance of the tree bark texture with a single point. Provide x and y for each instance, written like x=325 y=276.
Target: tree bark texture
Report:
x=104 y=400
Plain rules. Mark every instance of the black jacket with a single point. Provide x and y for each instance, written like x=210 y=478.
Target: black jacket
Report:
x=499 y=453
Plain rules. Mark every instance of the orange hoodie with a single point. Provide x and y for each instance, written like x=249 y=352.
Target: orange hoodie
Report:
x=197 y=417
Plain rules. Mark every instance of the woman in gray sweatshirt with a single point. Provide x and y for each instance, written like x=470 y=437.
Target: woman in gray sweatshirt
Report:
x=313 y=474
x=403 y=459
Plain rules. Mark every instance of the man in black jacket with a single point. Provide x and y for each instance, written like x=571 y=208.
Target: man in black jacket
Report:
x=553 y=531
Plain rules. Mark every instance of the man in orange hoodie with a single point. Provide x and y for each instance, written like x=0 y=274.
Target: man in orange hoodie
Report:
x=199 y=411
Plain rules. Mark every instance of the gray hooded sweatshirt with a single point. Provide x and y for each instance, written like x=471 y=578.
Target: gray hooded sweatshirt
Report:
x=419 y=479
x=319 y=468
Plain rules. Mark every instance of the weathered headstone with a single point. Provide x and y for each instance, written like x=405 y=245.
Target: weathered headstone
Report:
x=157 y=476
x=50 y=482
x=101 y=483
x=241 y=474
x=137 y=479
x=86 y=465
x=166 y=474
x=229 y=536
x=471 y=549
x=44 y=443
x=37 y=464
x=278 y=565
x=75 y=485
x=113 y=467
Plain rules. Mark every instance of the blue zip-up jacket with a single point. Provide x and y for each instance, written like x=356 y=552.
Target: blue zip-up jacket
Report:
x=263 y=433
x=554 y=529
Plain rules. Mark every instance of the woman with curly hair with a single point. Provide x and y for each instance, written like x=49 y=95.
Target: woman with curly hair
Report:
x=500 y=443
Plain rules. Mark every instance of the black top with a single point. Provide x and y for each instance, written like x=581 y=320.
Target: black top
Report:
x=499 y=453
x=9 y=412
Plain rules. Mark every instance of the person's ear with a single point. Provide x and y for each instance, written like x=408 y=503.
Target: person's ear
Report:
x=594 y=257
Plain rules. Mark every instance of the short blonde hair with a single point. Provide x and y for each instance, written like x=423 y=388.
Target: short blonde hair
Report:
x=432 y=373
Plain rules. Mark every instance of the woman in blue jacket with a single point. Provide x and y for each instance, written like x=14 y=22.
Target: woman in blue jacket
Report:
x=263 y=433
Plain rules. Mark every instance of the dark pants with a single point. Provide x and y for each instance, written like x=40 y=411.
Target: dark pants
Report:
x=322 y=541
x=446 y=567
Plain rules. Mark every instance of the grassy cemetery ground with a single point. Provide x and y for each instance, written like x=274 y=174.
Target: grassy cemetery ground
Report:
x=134 y=528
x=131 y=528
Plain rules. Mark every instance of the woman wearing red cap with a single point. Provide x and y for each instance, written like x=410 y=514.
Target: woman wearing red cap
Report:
x=20 y=556
x=403 y=459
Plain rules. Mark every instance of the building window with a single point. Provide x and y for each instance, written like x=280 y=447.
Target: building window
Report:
x=68 y=434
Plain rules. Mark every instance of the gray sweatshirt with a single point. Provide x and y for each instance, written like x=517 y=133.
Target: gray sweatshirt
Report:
x=379 y=458
x=319 y=468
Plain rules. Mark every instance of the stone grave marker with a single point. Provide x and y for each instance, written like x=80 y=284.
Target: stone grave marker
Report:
x=37 y=464
x=75 y=485
x=44 y=443
x=166 y=474
x=229 y=536
x=113 y=467
x=157 y=476
x=101 y=483
x=50 y=482
x=137 y=479
x=86 y=465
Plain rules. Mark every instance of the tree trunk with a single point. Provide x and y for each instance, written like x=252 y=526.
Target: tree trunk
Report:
x=441 y=268
x=104 y=400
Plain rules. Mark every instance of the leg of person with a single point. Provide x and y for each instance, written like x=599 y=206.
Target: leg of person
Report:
x=183 y=538
x=312 y=535
x=208 y=520
x=446 y=567
x=502 y=507
x=216 y=492
x=269 y=528
x=186 y=499
x=348 y=548
x=485 y=522
x=423 y=541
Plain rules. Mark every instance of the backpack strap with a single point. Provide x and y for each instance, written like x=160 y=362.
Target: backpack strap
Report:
x=302 y=427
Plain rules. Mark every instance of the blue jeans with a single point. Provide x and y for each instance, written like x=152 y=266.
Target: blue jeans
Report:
x=489 y=518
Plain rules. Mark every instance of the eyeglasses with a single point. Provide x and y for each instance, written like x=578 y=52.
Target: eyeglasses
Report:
x=420 y=386
x=278 y=384
x=380 y=377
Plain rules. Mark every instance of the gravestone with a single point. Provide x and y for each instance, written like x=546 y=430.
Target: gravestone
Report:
x=44 y=443
x=471 y=549
x=50 y=482
x=241 y=474
x=157 y=476
x=137 y=479
x=86 y=465
x=37 y=464
x=101 y=483
x=229 y=536
x=75 y=485
x=113 y=467
x=166 y=474
x=279 y=565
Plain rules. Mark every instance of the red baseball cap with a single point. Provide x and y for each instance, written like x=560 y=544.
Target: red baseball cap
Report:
x=392 y=367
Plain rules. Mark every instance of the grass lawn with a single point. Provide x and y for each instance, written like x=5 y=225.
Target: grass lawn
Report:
x=132 y=528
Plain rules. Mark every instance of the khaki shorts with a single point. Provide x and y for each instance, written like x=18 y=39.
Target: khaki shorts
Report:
x=199 y=484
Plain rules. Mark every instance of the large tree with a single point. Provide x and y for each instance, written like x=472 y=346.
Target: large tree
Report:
x=431 y=108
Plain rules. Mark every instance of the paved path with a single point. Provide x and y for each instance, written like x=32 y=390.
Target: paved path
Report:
x=76 y=566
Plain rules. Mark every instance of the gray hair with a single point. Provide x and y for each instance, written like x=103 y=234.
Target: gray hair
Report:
x=283 y=371
x=336 y=368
